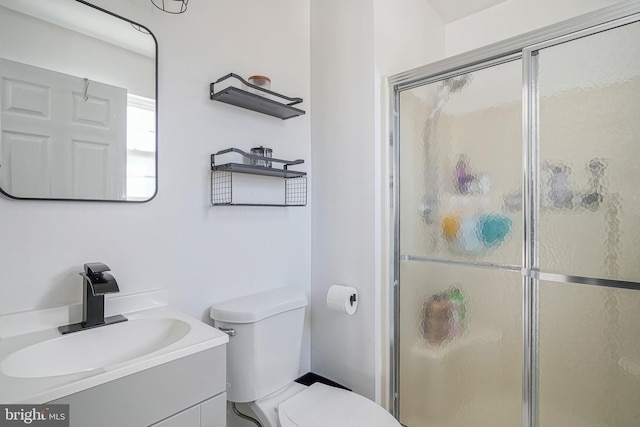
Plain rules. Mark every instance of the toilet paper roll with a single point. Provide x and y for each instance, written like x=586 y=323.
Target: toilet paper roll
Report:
x=343 y=299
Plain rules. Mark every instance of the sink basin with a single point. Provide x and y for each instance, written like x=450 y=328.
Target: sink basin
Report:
x=39 y=365
x=92 y=349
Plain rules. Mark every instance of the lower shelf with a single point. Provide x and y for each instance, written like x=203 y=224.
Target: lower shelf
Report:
x=226 y=192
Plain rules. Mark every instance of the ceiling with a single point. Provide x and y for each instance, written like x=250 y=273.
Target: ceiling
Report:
x=452 y=10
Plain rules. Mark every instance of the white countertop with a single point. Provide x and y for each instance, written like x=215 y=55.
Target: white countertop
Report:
x=21 y=330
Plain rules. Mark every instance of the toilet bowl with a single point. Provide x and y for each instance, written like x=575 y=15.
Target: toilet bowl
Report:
x=263 y=360
x=319 y=405
x=323 y=405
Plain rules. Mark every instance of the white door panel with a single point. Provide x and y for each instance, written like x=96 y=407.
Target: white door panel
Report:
x=83 y=127
x=25 y=169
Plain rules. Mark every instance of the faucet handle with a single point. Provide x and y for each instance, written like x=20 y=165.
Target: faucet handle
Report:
x=95 y=268
x=97 y=280
x=100 y=284
x=103 y=284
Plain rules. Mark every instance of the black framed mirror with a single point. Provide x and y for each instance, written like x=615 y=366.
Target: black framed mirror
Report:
x=78 y=110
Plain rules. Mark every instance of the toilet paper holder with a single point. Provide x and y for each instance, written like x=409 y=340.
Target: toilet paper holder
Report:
x=342 y=299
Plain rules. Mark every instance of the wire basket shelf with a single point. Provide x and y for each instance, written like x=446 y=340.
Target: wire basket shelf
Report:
x=224 y=188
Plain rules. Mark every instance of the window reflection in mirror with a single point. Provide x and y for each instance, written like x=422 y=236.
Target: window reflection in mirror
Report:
x=141 y=147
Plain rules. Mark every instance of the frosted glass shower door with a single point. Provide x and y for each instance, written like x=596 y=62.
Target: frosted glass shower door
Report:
x=589 y=229
x=460 y=297
x=517 y=232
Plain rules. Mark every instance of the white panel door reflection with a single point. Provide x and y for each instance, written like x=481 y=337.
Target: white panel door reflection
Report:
x=62 y=136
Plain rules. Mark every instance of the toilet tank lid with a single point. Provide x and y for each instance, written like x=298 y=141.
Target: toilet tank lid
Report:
x=255 y=307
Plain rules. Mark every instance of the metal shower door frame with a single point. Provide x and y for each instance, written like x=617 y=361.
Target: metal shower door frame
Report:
x=526 y=48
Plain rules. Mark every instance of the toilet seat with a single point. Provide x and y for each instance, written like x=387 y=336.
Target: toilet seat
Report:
x=320 y=405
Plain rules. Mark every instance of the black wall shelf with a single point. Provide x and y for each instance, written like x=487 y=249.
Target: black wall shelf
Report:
x=258 y=170
x=255 y=102
x=222 y=193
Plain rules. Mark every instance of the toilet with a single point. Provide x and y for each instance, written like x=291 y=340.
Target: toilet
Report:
x=263 y=359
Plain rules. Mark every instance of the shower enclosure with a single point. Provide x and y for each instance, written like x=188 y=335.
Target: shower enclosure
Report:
x=516 y=213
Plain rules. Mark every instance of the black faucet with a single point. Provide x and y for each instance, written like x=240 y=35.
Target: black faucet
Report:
x=95 y=284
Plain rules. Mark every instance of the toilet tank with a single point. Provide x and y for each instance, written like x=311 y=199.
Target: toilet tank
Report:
x=264 y=354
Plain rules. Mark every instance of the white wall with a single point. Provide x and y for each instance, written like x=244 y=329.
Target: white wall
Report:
x=353 y=45
x=408 y=34
x=342 y=152
x=512 y=18
x=201 y=254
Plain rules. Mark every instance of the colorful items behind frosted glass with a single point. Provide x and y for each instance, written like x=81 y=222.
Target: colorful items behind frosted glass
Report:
x=476 y=234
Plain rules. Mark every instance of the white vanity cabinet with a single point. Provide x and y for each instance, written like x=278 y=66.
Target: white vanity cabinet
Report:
x=187 y=392
x=211 y=413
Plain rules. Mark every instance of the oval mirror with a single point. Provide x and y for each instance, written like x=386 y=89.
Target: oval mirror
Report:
x=78 y=109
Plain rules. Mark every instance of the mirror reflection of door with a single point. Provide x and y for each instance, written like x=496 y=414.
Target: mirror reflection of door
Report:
x=62 y=136
x=52 y=50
